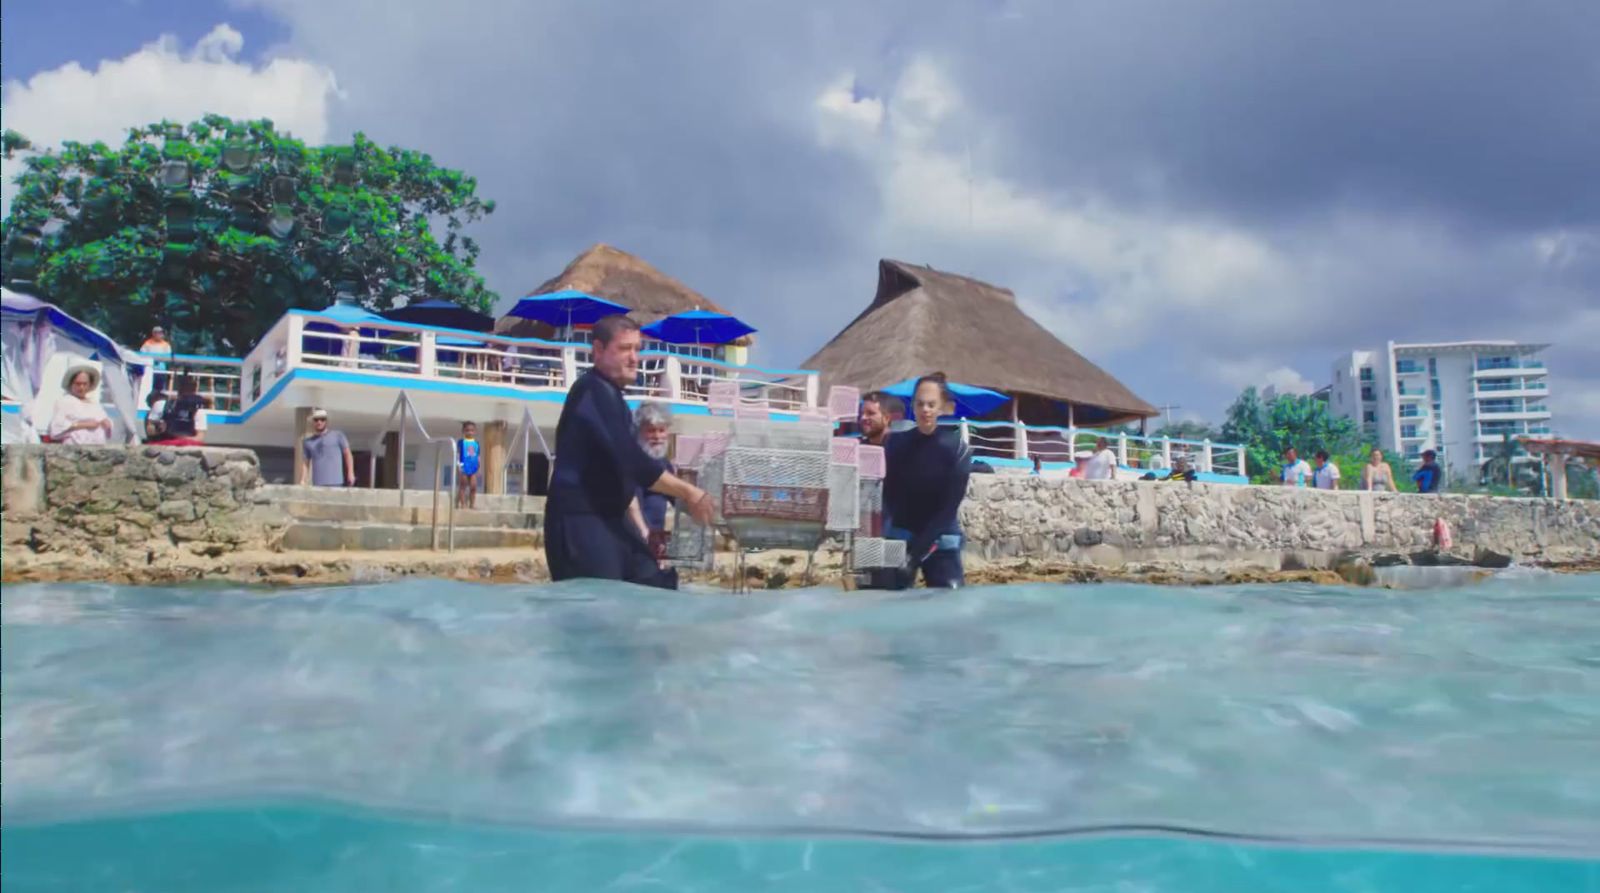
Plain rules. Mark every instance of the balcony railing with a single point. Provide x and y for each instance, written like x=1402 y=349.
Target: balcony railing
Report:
x=304 y=340
x=1408 y=368
x=216 y=379
x=1013 y=442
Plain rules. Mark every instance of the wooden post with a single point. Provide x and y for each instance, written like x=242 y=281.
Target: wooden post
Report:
x=393 y=462
x=491 y=473
x=302 y=427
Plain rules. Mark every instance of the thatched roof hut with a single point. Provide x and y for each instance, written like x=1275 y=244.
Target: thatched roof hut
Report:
x=607 y=272
x=923 y=320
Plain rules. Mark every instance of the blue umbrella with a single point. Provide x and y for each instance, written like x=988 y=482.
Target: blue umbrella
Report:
x=971 y=400
x=698 y=327
x=441 y=313
x=567 y=307
x=345 y=316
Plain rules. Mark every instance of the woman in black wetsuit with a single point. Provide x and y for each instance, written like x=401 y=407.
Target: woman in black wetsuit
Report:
x=925 y=483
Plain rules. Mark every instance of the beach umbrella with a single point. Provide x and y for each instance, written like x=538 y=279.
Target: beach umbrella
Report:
x=698 y=327
x=441 y=313
x=344 y=317
x=971 y=400
x=567 y=308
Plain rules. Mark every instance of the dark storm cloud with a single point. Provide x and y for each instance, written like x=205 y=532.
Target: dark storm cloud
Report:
x=1487 y=113
x=1405 y=167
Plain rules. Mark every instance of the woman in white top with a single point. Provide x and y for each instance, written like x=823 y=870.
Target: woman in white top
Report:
x=78 y=418
x=1376 y=474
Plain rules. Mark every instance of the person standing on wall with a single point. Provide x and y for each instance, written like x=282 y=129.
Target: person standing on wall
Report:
x=1429 y=476
x=926 y=481
x=157 y=345
x=599 y=466
x=328 y=453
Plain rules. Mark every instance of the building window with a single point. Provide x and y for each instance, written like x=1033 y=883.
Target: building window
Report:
x=1366 y=373
x=1408 y=430
x=1370 y=417
x=1433 y=366
x=1368 y=394
x=1409 y=412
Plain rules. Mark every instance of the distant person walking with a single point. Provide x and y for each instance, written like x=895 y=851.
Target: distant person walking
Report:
x=928 y=469
x=157 y=343
x=1430 y=476
x=1295 y=471
x=1103 y=464
x=329 y=462
x=1326 y=476
x=1376 y=475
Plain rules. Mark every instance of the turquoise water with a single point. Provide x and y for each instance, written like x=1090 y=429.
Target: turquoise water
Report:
x=431 y=736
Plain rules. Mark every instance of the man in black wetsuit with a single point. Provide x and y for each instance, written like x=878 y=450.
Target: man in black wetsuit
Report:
x=599 y=467
x=928 y=468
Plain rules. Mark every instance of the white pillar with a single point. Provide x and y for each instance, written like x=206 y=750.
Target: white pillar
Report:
x=296 y=346
x=1558 y=475
x=1166 y=451
x=813 y=388
x=674 y=376
x=569 y=366
x=428 y=355
x=966 y=434
x=1205 y=456
x=1021 y=440
x=1122 y=449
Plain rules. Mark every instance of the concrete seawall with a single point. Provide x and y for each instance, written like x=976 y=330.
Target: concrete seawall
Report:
x=1116 y=522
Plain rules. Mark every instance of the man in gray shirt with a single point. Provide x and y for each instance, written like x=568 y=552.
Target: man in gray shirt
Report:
x=327 y=455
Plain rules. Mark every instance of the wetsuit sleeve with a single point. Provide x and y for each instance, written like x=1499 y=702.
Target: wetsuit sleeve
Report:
x=943 y=520
x=611 y=434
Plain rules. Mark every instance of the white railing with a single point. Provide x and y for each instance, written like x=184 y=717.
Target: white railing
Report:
x=408 y=413
x=217 y=379
x=300 y=341
x=520 y=455
x=1020 y=441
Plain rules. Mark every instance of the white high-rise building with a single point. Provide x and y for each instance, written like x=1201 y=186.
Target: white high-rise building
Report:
x=1459 y=399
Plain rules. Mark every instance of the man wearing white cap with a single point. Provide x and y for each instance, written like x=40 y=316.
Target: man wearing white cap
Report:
x=328 y=454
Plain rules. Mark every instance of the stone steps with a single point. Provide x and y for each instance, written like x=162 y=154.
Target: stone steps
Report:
x=323 y=519
x=333 y=536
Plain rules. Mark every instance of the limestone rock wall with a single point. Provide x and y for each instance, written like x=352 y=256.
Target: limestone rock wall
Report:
x=1055 y=518
x=133 y=502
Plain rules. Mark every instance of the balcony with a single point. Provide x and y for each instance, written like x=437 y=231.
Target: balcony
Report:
x=1526 y=367
x=1412 y=394
x=1406 y=367
x=403 y=355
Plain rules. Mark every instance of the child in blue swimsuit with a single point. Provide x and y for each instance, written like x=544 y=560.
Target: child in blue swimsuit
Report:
x=467 y=451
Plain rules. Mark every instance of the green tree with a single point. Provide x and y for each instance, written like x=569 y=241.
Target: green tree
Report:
x=1267 y=428
x=216 y=229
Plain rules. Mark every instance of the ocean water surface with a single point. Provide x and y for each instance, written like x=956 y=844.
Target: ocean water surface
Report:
x=432 y=736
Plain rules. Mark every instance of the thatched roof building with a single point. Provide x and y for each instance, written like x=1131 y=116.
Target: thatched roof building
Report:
x=923 y=321
x=607 y=272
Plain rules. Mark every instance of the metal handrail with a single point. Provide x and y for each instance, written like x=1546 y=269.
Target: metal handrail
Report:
x=522 y=435
x=408 y=412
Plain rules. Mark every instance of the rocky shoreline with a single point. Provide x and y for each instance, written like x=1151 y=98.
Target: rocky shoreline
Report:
x=764 y=571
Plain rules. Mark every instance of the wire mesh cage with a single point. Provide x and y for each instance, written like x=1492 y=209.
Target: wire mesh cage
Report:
x=869 y=507
x=876 y=552
x=844 y=496
x=690 y=545
x=870 y=460
x=842 y=402
x=722 y=397
x=766 y=434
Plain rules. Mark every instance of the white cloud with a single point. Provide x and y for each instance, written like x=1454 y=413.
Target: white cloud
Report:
x=161 y=80
x=1124 y=268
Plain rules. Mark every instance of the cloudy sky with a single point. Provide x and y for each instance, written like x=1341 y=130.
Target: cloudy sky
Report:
x=1198 y=195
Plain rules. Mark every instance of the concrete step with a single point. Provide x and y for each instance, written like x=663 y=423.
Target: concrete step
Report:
x=413 y=498
x=334 y=536
x=411 y=513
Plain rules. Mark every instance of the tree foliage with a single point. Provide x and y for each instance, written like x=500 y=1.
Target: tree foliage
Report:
x=216 y=229
x=1268 y=427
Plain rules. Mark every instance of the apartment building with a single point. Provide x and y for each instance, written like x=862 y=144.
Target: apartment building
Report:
x=1457 y=398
